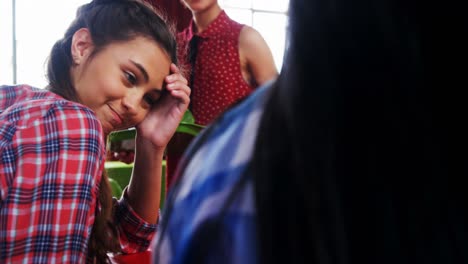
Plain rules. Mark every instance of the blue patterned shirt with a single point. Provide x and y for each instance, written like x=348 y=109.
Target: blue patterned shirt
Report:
x=198 y=225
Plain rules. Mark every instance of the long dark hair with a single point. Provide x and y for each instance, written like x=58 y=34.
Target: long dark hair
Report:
x=365 y=175
x=109 y=21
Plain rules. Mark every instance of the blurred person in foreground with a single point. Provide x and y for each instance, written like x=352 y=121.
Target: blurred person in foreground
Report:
x=355 y=154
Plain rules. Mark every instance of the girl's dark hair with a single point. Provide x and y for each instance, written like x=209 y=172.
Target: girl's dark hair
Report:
x=109 y=21
x=364 y=100
x=361 y=150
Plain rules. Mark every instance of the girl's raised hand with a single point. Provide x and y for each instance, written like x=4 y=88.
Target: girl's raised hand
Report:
x=161 y=122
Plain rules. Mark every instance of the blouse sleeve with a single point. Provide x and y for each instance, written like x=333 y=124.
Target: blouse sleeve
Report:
x=135 y=234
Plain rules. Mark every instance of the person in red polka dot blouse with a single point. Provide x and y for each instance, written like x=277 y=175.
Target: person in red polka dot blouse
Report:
x=226 y=59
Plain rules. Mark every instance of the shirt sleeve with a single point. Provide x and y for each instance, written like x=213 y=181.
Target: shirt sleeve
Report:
x=52 y=168
x=135 y=234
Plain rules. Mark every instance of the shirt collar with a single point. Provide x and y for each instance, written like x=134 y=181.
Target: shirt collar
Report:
x=214 y=28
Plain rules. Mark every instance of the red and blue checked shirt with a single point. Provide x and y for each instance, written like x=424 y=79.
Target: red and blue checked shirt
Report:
x=52 y=153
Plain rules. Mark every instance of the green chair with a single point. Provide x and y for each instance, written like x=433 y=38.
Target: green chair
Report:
x=188 y=126
x=119 y=177
x=115 y=187
x=120 y=172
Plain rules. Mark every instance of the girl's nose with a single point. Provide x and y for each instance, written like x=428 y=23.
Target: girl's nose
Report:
x=131 y=103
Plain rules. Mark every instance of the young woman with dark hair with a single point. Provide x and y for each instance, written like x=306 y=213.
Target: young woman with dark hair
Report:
x=114 y=68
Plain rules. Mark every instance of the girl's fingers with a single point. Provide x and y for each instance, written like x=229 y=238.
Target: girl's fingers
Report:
x=175 y=75
x=174 y=68
x=179 y=84
x=181 y=95
x=180 y=91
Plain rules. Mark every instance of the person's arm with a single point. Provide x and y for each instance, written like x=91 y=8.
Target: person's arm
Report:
x=144 y=190
x=153 y=135
x=256 y=56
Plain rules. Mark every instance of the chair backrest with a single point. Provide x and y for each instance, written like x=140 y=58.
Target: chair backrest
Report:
x=120 y=172
x=115 y=187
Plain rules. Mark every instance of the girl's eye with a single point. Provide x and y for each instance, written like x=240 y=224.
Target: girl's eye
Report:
x=151 y=100
x=130 y=77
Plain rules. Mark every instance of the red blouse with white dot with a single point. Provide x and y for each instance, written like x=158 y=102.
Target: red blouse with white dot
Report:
x=218 y=82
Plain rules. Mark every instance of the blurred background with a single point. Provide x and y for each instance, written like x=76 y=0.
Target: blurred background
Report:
x=29 y=28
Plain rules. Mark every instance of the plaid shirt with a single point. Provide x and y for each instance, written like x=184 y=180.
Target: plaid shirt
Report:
x=52 y=153
x=197 y=225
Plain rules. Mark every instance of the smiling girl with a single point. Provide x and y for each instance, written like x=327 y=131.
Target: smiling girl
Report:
x=114 y=68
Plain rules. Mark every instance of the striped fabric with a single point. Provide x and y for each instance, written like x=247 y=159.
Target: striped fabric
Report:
x=52 y=154
x=197 y=226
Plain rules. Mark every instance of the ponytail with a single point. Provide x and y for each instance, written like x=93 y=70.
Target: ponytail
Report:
x=58 y=70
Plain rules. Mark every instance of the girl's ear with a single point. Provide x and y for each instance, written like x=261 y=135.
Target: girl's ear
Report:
x=81 y=46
